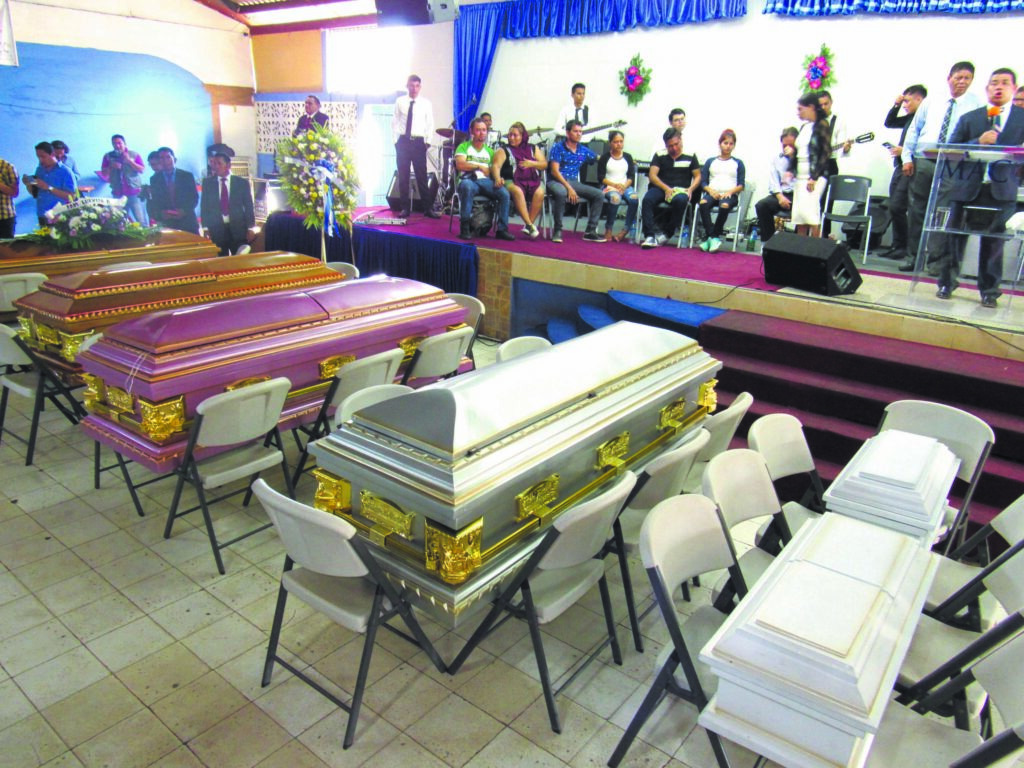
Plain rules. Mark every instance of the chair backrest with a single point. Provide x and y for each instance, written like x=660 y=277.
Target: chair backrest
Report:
x=350 y=271
x=312 y=538
x=682 y=537
x=1010 y=522
x=475 y=308
x=242 y=414
x=1006 y=580
x=779 y=437
x=367 y=372
x=585 y=528
x=665 y=476
x=963 y=433
x=856 y=189
x=15 y=286
x=11 y=352
x=366 y=397
x=1001 y=674
x=723 y=425
x=739 y=483
x=520 y=345
x=439 y=355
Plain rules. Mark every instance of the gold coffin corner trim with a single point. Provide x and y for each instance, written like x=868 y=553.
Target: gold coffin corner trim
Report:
x=537 y=500
x=386 y=517
x=707 y=395
x=333 y=493
x=409 y=346
x=453 y=555
x=70 y=342
x=245 y=383
x=161 y=420
x=610 y=453
x=25 y=329
x=95 y=391
x=330 y=367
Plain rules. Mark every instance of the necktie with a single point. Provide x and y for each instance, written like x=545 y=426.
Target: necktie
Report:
x=579 y=115
x=169 y=179
x=224 y=207
x=944 y=130
x=408 y=121
x=998 y=122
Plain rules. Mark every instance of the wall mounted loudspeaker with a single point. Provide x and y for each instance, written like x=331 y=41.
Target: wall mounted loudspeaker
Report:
x=392 y=13
x=814 y=264
x=417 y=203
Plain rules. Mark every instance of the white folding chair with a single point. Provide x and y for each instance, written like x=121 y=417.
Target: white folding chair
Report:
x=967 y=436
x=439 y=356
x=475 y=311
x=366 y=397
x=351 y=377
x=779 y=437
x=561 y=570
x=245 y=418
x=520 y=345
x=739 y=483
x=722 y=426
x=14 y=286
x=682 y=538
x=328 y=567
x=347 y=269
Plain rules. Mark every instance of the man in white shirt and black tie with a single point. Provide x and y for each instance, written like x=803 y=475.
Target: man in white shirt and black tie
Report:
x=933 y=123
x=575 y=110
x=413 y=127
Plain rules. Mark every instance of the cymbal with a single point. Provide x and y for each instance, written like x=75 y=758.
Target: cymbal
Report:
x=538 y=129
x=452 y=133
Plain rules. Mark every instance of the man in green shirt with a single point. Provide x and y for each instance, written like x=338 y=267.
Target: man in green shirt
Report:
x=477 y=177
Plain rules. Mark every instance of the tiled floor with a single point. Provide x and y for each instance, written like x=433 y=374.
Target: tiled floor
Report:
x=121 y=648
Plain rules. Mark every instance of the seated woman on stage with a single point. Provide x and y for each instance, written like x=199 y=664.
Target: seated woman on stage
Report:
x=812 y=154
x=617 y=171
x=722 y=178
x=520 y=165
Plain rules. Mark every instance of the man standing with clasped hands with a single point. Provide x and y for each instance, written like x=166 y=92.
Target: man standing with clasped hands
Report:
x=412 y=127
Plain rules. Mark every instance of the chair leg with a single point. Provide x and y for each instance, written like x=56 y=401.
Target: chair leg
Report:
x=209 y=527
x=542 y=662
x=173 y=512
x=96 y=465
x=3 y=411
x=364 y=669
x=34 y=431
x=609 y=620
x=477 y=637
x=627 y=586
x=131 y=485
x=644 y=711
x=275 y=635
x=300 y=466
x=719 y=749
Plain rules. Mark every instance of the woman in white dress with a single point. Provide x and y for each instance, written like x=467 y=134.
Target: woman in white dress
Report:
x=812 y=153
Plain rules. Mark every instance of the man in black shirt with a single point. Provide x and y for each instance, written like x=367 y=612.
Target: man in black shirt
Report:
x=673 y=178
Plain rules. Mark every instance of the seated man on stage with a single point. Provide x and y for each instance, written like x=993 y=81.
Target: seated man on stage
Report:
x=780 y=186
x=564 y=168
x=673 y=177
x=473 y=161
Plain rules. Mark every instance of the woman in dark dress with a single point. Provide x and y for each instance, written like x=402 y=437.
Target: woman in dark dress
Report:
x=520 y=166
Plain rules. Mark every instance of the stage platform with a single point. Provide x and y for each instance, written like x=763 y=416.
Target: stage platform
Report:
x=888 y=304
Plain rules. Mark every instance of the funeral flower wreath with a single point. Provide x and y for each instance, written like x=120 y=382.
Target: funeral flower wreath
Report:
x=87 y=224
x=319 y=178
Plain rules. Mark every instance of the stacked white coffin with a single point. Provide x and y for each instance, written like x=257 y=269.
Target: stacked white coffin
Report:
x=807 y=660
x=898 y=480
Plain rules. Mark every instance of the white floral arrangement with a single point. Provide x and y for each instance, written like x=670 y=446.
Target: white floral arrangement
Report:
x=318 y=174
x=82 y=225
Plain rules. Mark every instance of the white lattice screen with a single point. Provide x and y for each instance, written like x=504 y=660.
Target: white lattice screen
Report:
x=275 y=120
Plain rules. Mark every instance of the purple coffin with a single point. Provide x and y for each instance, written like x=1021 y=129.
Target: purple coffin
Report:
x=146 y=376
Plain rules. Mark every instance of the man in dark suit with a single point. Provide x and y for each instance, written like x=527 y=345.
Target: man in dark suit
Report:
x=313 y=116
x=172 y=194
x=227 y=207
x=985 y=185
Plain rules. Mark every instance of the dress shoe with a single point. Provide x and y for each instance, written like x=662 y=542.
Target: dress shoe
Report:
x=432 y=214
x=403 y=214
x=464 y=231
x=991 y=300
x=907 y=266
x=504 y=234
x=900 y=255
x=943 y=292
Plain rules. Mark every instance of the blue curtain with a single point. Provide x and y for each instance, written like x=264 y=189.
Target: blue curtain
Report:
x=908 y=7
x=479 y=28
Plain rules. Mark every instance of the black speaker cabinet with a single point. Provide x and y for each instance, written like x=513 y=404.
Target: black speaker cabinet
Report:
x=814 y=264
x=393 y=13
x=394 y=201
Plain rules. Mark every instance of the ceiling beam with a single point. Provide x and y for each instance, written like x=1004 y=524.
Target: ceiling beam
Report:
x=224 y=10
x=315 y=24
x=274 y=5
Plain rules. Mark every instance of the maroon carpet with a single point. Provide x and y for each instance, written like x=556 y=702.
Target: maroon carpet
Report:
x=725 y=267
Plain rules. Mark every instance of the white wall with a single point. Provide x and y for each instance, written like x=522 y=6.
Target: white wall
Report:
x=745 y=74
x=209 y=45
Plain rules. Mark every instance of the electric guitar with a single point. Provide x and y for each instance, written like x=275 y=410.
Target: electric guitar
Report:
x=617 y=124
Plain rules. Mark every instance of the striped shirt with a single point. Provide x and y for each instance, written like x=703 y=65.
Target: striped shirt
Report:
x=9 y=177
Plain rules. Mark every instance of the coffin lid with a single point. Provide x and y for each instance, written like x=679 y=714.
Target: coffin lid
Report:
x=454 y=417
x=178 y=329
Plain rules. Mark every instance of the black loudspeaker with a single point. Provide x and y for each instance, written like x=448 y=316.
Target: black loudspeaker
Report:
x=393 y=13
x=814 y=264
x=394 y=200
